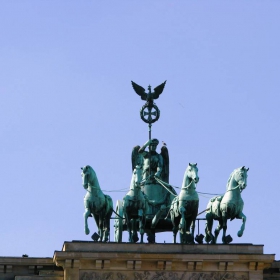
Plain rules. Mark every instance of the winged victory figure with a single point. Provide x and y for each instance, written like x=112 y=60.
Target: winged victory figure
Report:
x=159 y=162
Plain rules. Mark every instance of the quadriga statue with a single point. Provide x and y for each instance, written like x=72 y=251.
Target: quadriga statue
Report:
x=96 y=204
x=184 y=207
x=228 y=206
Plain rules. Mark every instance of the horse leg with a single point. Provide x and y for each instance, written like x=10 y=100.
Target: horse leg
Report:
x=128 y=223
x=126 y=209
x=96 y=218
x=175 y=224
x=192 y=228
x=106 y=227
x=134 y=229
x=193 y=218
x=141 y=224
x=86 y=215
x=182 y=225
x=243 y=217
x=189 y=231
x=224 y=221
x=101 y=227
x=208 y=228
x=217 y=230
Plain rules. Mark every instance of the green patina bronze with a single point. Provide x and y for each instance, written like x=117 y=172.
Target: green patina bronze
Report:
x=149 y=113
x=155 y=167
x=134 y=204
x=228 y=206
x=154 y=164
x=184 y=207
x=96 y=204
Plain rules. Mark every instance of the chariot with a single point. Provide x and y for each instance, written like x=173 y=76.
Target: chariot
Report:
x=146 y=206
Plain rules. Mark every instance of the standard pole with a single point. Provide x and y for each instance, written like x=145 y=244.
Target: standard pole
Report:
x=150 y=137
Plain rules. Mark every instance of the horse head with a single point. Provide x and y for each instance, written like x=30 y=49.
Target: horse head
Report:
x=88 y=176
x=192 y=172
x=136 y=177
x=239 y=175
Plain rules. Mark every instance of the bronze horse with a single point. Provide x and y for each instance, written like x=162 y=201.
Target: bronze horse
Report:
x=134 y=206
x=228 y=206
x=184 y=207
x=96 y=204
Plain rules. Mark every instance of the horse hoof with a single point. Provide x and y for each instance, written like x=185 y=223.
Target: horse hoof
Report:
x=225 y=242
x=208 y=239
x=135 y=239
x=151 y=239
x=240 y=233
x=87 y=231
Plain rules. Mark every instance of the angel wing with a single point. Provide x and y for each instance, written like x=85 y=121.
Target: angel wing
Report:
x=165 y=168
x=136 y=158
x=139 y=90
x=158 y=90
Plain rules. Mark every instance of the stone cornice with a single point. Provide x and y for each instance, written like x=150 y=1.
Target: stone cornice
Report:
x=126 y=256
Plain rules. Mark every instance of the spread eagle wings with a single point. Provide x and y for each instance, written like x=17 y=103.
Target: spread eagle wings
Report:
x=141 y=91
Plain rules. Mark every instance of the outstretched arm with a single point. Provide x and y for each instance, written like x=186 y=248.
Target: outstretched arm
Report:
x=142 y=149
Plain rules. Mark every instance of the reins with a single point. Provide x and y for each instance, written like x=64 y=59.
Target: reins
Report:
x=162 y=184
x=238 y=186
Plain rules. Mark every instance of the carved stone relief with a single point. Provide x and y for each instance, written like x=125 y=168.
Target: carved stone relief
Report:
x=161 y=275
x=217 y=276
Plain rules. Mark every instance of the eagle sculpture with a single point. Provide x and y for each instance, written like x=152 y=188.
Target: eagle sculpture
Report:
x=150 y=96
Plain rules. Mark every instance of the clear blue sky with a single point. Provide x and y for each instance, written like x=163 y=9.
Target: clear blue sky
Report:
x=66 y=101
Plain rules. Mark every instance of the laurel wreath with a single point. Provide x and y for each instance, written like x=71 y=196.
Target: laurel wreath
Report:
x=152 y=119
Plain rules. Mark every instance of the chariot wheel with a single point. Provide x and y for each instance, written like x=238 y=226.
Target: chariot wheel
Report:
x=119 y=222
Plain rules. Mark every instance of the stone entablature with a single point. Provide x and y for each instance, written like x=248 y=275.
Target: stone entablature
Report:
x=25 y=268
x=89 y=261
x=124 y=261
